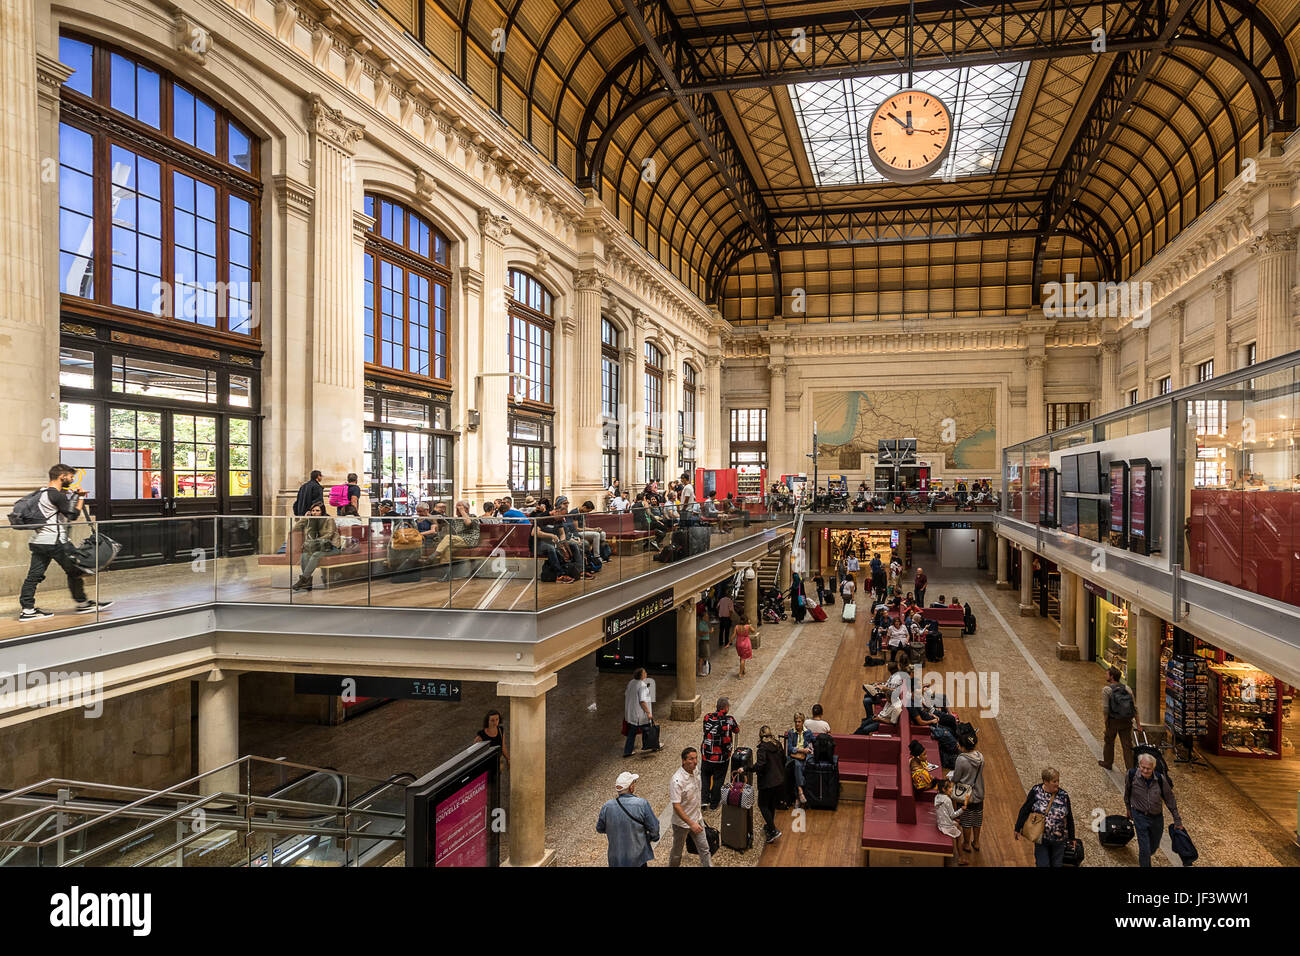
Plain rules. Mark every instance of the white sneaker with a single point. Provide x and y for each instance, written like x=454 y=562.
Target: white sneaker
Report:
x=33 y=614
x=86 y=607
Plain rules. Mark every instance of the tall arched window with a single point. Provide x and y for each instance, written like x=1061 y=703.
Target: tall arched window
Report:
x=159 y=359
x=530 y=421
x=686 y=444
x=654 y=412
x=609 y=376
x=406 y=292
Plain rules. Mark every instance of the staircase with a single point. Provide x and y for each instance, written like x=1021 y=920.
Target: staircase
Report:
x=768 y=570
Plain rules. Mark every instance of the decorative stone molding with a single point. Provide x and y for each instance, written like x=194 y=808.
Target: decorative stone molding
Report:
x=361 y=225
x=51 y=74
x=627 y=354
x=588 y=280
x=776 y=368
x=286 y=18
x=543 y=260
x=472 y=280
x=294 y=195
x=1222 y=283
x=641 y=319
x=426 y=187
x=1176 y=311
x=189 y=39
x=1034 y=362
x=494 y=227
x=1271 y=243
x=333 y=126
x=568 y=325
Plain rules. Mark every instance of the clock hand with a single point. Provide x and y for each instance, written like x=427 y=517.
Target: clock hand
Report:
x=898 y=121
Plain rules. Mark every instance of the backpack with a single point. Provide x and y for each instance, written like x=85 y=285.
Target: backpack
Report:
x=27 y=510
x=338 y=496
x=823 y=748
x=1120 y=703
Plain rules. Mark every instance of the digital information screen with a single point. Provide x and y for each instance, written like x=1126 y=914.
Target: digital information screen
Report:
x=1070 y=515
x=1089 y=518
x=460 y=826
x=1139 y=506
x=1090 y=472
x=1070 y=473
x=1119 y=504
x=451 y=812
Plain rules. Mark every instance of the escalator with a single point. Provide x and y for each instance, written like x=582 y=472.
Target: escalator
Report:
x=322 y=817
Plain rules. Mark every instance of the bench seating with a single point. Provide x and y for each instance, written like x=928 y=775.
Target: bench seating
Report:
x=952 y=620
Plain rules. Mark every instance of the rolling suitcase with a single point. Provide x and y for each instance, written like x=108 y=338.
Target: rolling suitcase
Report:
x=849 y=613
x=934 y=647
x=916 y=651
x=737 y=827
x=818 y=613
x=742 y=758
x=821 y=784
x=1116 y=830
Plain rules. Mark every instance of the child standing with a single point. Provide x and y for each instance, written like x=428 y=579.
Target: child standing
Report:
x=946 y=817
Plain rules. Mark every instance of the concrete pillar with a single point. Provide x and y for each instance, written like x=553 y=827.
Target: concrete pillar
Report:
x=686 y=704
x=1080 y=617
x=990 y=552
x=1067 y=649
x=1108 y=392
x=219 y=731
x=527 y=726
x=1274 y=252
x=776 y=430
x=751 y=598
x=29 y=319
x=1222 y=288
x=783 y=580
x=1176 y=346
x=492 y=383
x=1035 y=409
x=1004 y=563
x=1028 y=608
x=1147 y=685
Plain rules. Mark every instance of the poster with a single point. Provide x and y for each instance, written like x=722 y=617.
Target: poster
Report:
x=460 y=834
x=1139 y=474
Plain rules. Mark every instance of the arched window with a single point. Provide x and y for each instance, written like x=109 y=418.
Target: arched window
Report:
x=158 y=195
x=532 y=322
x=609 y=376
x=406 y=283
x=686 y=446
x=654 y=412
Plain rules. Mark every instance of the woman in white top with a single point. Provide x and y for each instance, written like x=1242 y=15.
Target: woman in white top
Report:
x=946 y=815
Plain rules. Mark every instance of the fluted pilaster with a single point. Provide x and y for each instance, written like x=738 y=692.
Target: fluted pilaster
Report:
x=1275 y=254
x=776 y=424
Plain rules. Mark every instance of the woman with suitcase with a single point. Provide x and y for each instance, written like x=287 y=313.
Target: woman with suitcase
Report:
x=744 y=646
x=769 y=771
x=1046 y=818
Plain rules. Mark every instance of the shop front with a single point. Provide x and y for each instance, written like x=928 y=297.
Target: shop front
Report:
x=1250 y=711
x=1108 y=627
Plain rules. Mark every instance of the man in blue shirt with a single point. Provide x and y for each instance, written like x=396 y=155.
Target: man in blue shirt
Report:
x=630 y=823
x=511 y=514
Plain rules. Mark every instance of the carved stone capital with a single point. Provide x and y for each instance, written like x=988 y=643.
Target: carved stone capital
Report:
x=627 y=354
x=1222 y=283
x=426 y=187
x=1270 y=243
x=641 y=319
x=776 y=368
x=588 y=280
x=1034 y=363
x=494 y=227
x=1176 y=311
x=331 y=125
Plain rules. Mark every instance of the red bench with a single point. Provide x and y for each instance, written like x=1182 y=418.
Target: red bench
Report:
x=952 y=620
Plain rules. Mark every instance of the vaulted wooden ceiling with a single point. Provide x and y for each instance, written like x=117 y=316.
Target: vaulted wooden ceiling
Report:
x=679 y=113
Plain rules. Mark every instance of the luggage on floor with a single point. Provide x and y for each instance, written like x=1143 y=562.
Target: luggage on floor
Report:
x=738 y=827
x=828 y=595
x=821 y=784
x=870 y=661
x=1073 y=853
x=823 y=748
x=818 y=614
x=742 y=758
x=849 y=612
x=650 y=737
x=1116 y=830
x=934 y=647
x=915 y=651
x=712 y=835
x=697 y=539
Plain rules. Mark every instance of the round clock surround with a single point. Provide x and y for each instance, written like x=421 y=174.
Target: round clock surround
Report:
x=909 y=136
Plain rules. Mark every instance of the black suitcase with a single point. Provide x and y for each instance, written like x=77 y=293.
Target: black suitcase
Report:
x=742 y=758
x=1116 y=830
x=821 y=784
x=1073 y=853
x=697 y=539
x=934 y=647
x=737 y=827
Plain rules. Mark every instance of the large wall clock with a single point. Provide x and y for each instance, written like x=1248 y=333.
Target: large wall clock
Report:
x=910 y=135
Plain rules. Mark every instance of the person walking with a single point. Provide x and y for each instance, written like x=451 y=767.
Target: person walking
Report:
x=310 y=492
x=1120 y=714
x=630 y=823
x=685 y=794
x=744 y=644
x=769 y=772
x=918 y=585
x=969 y=770
x=54 y=509
x=725 y=607
x=637 y=715
x=1050 y=801
x=1145 y=789
x=847 y=588
x=879 y=579
x=720 y=731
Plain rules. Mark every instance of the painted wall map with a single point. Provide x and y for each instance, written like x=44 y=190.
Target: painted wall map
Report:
x=960 y=423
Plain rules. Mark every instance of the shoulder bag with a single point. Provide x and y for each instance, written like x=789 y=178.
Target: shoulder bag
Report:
x=1033 y=828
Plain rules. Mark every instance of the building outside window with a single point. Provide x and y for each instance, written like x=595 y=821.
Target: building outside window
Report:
x=1133 y=397
x=609 y=402
x=654 y=413
x=406 y=292
x=1205 y=371
x=409 y=450
x=532 y=455
x=1066 y=414
x=1165 y=386
x=530 y=423
x=748 y=437
x=686 y=422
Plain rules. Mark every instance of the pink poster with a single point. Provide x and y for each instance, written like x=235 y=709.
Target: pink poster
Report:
x=460 y=826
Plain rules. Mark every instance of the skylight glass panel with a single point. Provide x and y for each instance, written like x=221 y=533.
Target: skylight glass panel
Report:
x=834 y=116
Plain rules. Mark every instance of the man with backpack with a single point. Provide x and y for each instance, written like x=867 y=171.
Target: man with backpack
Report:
x=720 y=731
x=52 y=509
x=1146 y=787
x=346 y=494
x=1119 y=710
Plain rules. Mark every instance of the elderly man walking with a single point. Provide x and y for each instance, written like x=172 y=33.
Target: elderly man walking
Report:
x=630 y=823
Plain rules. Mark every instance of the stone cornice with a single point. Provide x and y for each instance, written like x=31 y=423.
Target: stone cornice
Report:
x=293 y=194
x=361 y=225
x=51 y=73
x=330 y=124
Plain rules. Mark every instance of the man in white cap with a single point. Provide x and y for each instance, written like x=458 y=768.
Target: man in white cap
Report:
x=630 y=824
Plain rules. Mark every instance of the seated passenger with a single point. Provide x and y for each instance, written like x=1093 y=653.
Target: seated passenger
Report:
x=940 y=603
x=798 y=747
x=550 y=541
x=489 y=515
x=509 y=513
x=463 y=532
x=815 y=724
x=596 y=538
x=955 y=603
x=919 y=767
x=320 y=538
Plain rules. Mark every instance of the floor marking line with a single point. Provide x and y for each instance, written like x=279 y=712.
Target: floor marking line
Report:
x=1091 y=742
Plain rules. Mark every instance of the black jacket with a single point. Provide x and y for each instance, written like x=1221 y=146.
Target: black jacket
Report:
x=311 y=493
x=769 y=765
x=1028 y=807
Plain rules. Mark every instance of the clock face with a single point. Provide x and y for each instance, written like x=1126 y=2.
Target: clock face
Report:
x=909 y=136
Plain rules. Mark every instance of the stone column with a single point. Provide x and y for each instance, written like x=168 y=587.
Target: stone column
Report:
x=336 y=337
x=493 y=360
x=1004 y=564
x=1149 y=629
x=991 y=552
x=29 y=313
x=777 y=463
x=686 y=703
x=469 y=346
x=219 y=731
x=1222 y=288
x=713 y=379
x=783 y=576
x=1028 y=608
x=589 y=286
x=752 y=615
x=1067 y=649
x=631 y=436
x=1080 y=617
x=1144 y=345
x=1274 y=325
x=672 y=401
x=1108 y=391
x=527 y=728
x=1176 y=312
x=1035 y=408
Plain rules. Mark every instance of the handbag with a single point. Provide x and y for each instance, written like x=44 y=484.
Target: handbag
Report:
x=959 y=791
x=406 y=539
x=650 y=736
x=713 y=837
x=1033 y=828
x=1073 y=853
